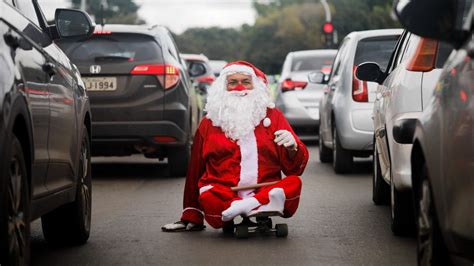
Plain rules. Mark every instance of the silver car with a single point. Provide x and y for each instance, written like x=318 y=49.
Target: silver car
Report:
x=298 y=99
x=346 y=127
x=406 y=88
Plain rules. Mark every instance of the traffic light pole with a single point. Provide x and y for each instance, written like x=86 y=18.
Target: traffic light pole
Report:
x=328 y=29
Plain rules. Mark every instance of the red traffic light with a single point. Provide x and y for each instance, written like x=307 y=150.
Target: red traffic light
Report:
x=328 y=27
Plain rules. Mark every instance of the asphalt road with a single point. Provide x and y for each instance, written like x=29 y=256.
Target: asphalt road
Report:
x=336 y=224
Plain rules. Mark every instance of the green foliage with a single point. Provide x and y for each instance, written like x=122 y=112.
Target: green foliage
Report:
x=115 y=11
x=283 y=26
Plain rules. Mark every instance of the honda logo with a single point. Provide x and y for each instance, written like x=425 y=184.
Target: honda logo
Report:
x=95 y=69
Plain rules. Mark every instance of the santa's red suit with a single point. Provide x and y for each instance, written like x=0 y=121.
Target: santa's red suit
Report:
x=219 y=163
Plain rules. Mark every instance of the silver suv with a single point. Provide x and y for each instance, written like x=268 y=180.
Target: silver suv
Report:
x=346 y=128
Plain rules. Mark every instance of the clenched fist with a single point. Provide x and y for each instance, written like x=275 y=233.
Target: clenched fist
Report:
x=285 y=138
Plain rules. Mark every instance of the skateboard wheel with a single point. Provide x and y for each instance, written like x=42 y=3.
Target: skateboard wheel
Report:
x=281 y=230
x=242 y=231
x=228 y=229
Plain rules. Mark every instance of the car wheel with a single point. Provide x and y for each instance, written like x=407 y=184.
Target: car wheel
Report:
x=431 y=249
x=71 y=223
x=325 y=154
x=380 y=189
x=341 y=159
x=14 y=208
x=178 y=160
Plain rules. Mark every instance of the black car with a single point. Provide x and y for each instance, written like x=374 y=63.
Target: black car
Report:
x=141 y=94
x=45 y=126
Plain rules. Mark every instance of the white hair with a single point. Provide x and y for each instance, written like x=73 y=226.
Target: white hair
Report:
x=237 y=113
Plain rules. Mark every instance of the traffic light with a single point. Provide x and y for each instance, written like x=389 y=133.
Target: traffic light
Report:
x=328 y=31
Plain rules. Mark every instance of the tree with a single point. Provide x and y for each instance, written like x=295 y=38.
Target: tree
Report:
x=114 y=11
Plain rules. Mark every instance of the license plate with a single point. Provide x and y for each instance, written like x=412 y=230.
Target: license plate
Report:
x=100 y=84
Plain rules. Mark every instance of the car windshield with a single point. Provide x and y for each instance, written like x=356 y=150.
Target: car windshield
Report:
x=376 y=50
x=113 y=48
x=311 y=62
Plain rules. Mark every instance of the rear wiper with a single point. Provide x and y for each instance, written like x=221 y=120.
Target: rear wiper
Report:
x=111 y=57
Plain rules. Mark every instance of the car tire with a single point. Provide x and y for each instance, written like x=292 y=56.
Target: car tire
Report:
x=325 y=154
x=431 y=248
x=70 y=224
x=178 y=159
x=14 y=206
x=342 y=159
x=380 y=189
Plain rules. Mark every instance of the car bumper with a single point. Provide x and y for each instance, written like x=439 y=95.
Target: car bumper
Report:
x=401 y=165
x=137 y=132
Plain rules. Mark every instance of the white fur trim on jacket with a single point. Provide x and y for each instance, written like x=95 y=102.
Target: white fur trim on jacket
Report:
x=238 y=68
x=248 y=163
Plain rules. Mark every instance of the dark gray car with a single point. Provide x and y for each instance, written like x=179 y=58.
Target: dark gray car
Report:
x=442 y=158
x=44 y=131
x=141 y=95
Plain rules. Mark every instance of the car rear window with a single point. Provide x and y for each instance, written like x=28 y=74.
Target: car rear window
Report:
x=444 y=50
x=378 y=50
x=113 y=48
x=311 y=62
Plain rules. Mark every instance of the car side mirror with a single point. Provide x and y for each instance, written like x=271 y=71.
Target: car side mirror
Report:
x=72 y=23
x=370 y=71
x=196 y=70
x=317 y=77
x=448 y=21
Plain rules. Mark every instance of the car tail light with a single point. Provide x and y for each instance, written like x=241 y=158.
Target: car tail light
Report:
x=161 y=139
x=207 y=79
x=102 y=32
x=326 y=70
x=168 y=75
x=425 y=56
x=289 y=84
x=360 y=92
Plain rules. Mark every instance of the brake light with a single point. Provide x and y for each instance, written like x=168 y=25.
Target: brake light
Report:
x=360 y=92
x=289 y=84
x=425 y=56
x=207 y=79
x=161 y=139
x=168 y=75
x=102 y=32
x=326 y=70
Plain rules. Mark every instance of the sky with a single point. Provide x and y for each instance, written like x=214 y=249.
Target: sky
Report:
x=178 y=15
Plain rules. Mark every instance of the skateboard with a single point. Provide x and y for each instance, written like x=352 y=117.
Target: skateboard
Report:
x=263 y=225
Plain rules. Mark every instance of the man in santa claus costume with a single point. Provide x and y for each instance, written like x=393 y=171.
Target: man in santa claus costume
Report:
x=243 y=141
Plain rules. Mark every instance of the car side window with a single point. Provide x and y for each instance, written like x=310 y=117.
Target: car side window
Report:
x=28 y=10
x=171 y=46
x=399 y=48
x=337 y=60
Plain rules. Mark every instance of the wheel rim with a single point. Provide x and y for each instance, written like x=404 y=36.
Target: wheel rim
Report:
x=16 y=214
x=425 y=225
x=84 y=186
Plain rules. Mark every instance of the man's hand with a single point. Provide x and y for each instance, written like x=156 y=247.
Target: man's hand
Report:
x=285 y=138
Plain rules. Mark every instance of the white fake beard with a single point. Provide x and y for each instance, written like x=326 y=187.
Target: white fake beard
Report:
x=237 y=113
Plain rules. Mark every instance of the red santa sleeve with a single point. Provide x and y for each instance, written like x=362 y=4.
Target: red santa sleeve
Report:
x=291 y=165
x=191 y=209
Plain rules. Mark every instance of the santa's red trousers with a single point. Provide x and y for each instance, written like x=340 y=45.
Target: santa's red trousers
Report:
x=217 y=199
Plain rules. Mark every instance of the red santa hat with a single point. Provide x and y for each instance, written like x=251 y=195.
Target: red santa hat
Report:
x=245 y=67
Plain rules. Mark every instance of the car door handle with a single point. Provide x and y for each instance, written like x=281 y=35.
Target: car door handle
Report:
x=11 y=40
x=49 y=68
